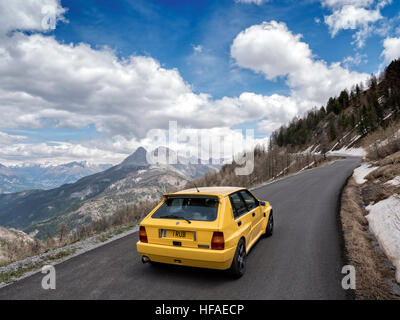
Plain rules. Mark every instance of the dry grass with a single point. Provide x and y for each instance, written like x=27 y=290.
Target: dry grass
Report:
x=129 y=215
x=385 y=172
x=393 y=159
x=383 y=142
x=16 y=245
x=371 y=265
x=373 y=192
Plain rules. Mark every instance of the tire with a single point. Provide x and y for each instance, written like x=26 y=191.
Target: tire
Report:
x=238 y=267
x=270 y=226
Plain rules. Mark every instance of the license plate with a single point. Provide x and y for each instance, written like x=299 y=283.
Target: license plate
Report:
x=177 y=234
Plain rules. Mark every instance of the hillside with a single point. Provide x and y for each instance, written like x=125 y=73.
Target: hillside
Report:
x=366 y=119
x=103 y=193
x=347 y=118
x=15 y=244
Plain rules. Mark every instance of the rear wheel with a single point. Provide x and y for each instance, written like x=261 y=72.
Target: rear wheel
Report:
x=270 y=226
x=238 y=267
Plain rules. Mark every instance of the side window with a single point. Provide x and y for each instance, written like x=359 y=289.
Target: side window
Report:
x=238 y=205
x=250 y=201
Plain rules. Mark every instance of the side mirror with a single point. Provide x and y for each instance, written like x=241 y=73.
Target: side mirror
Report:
x=262 y=203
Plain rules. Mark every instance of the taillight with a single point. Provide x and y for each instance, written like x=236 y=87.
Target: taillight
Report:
x=142 y=234
x=217 y=242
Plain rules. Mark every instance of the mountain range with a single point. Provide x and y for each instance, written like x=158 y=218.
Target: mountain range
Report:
x=96 y=195
x=36 y=176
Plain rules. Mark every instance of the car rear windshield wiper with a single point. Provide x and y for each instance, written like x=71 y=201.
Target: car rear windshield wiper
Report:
x=171 y=216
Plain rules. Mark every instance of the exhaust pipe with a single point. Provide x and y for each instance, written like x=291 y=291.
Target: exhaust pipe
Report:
x=145 y=259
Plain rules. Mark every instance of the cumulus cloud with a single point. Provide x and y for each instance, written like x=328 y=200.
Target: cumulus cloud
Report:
x=360 y=15
x=351 y=17
x=32 y=15
x=44 y=81
x=391 y=49
x=272 y=49
x=47 y=83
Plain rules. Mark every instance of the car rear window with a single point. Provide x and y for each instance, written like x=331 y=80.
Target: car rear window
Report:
x=191 y=208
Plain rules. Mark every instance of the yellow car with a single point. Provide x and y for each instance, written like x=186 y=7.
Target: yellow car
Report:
x=210 y=227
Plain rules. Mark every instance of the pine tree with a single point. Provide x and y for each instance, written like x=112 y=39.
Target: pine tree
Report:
x=332 y=130
x=343 y=99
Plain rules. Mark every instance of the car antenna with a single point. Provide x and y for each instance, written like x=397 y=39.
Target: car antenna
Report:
x=196 y=187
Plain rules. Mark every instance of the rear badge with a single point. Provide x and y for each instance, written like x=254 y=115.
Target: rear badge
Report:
x=177 y=223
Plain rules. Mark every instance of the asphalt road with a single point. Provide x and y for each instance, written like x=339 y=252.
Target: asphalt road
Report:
x=302 y=260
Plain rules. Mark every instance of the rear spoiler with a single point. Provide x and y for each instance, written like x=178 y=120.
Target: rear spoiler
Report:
x=167 y=195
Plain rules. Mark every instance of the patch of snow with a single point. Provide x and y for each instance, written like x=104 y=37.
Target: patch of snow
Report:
x=357 y=152
x=362 y=171
x=283 y=171
x=334 y=146
x=388 y=116
x=308 y=150
x=313 y=150
x=306 y=167
x=355 y=138
x=345 y=136
x=384 y=223
x=395 y=181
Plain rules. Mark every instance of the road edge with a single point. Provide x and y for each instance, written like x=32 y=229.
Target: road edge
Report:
x=350 y=293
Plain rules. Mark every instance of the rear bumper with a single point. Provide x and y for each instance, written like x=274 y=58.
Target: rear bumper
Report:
x=193 y=257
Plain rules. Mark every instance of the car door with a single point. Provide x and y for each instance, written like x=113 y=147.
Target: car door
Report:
x=254 y=212
x=241 y=216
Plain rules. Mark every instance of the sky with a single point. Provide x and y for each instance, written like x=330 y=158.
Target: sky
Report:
x=95 y=79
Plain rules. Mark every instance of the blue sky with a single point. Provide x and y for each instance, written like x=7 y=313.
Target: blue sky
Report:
x=169 y=30
x=216 y=55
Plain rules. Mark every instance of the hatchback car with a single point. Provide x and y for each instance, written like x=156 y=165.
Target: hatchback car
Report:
x=210 y=227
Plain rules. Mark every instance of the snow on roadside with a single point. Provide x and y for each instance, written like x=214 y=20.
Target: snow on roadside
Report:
x=358 y=152
x=361 y=172
x=384 y=223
